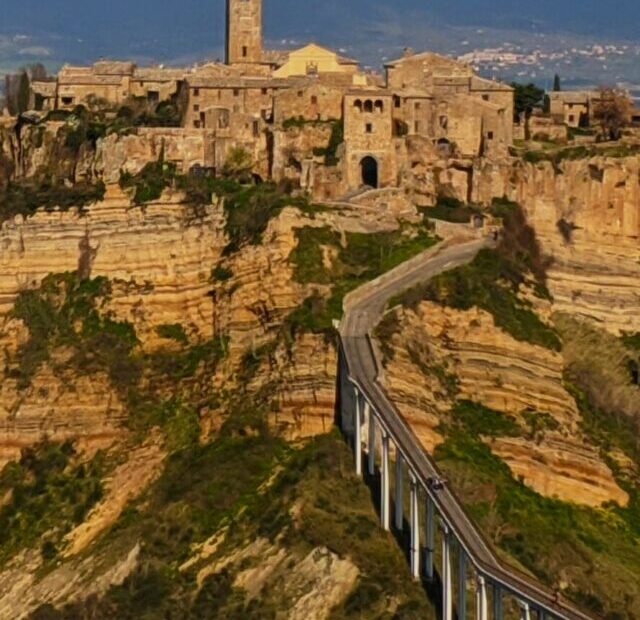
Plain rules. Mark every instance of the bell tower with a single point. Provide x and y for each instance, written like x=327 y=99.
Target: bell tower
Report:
x=244 y=31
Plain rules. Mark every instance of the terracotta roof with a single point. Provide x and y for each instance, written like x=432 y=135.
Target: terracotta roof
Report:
x=368 y=92
x=479 y=83
x=197 y=81
x=426 y=56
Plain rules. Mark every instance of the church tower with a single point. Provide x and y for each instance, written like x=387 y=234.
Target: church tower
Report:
x=244 y=31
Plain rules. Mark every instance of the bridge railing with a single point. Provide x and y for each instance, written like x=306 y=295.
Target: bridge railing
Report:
x=366 y=406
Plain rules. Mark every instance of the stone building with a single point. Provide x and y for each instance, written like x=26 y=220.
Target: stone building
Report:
x=308 y=100
x=369 y=139
x=573 y=108
x=312 y=60
x=244 y=32
x=113 y=83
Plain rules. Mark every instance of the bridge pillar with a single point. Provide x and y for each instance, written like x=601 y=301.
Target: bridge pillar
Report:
x=482 y=610
x=431 y=539
x=447 y=590
x=371 y=444
x=525 y=610
x=358 y=433
x=385 y=499
x=414 y=510
x=462 y=583
x=498 y=612
x=399 y=497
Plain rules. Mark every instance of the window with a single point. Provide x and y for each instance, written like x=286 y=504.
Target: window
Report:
x=490 y=135
x=314 y=100
x=300 y=93
x=417 y=105
x=572 y=118
x=196 y=108
x=379 y=106
x=265 y=91
x=153 y=96
x=196 y=124
x=196 y=92
x=485 y=97
x=397 y=101
x=368 y=128
x=416 y=127
x=245 y=51
x=256 y=129
x=67 y=100
x=358 y=105
x=368 y=106
x=444 y=122
x=236 y=92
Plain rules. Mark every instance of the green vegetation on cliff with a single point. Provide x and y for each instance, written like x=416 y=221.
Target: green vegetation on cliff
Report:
x=45 y=494
x=26 y=197
x=247 y=488
x=493 y=280
x=541 y=533
x=67 y=312
x=323 y=258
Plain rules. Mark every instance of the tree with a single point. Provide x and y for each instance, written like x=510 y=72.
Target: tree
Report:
x=238 y=165
x=557 y=86
x=24 y=93
x=612 y=112
x=527 y=97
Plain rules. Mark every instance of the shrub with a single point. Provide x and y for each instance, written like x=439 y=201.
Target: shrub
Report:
x=50 y=494
x=27 y=196
x=221 y=273
x=173 y=332
x=451 y=210
x=150 y=182
x=480 y=420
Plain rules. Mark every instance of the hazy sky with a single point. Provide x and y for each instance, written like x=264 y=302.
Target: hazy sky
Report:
x=181 y=31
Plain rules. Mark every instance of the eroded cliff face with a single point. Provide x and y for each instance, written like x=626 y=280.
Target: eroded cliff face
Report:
x=442 y=355
x=586 y=213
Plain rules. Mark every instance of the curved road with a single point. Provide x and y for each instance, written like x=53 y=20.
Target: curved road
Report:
x=359 y=320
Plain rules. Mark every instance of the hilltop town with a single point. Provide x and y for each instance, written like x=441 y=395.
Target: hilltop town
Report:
x=309 y=117
x=250 y=101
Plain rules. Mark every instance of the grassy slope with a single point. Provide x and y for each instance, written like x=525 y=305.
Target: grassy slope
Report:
x=593 y=552
x=222 y=484
x=362 y=258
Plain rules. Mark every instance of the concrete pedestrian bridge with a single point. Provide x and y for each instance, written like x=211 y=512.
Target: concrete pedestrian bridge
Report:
x=377 y=431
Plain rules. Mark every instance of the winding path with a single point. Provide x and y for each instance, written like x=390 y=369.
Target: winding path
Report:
x=365 y=401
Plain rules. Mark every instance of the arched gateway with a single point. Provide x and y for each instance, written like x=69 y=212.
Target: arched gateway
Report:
x=369 y=168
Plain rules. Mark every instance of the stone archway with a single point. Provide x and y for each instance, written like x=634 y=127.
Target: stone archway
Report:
x=369 y=169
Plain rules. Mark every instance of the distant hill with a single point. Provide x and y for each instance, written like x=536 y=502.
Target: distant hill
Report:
x=191 y=30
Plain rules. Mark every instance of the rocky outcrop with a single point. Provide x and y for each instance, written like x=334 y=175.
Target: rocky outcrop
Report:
x=561 y=467
x=440 y=355
x=159 y=257
x=586 y=213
